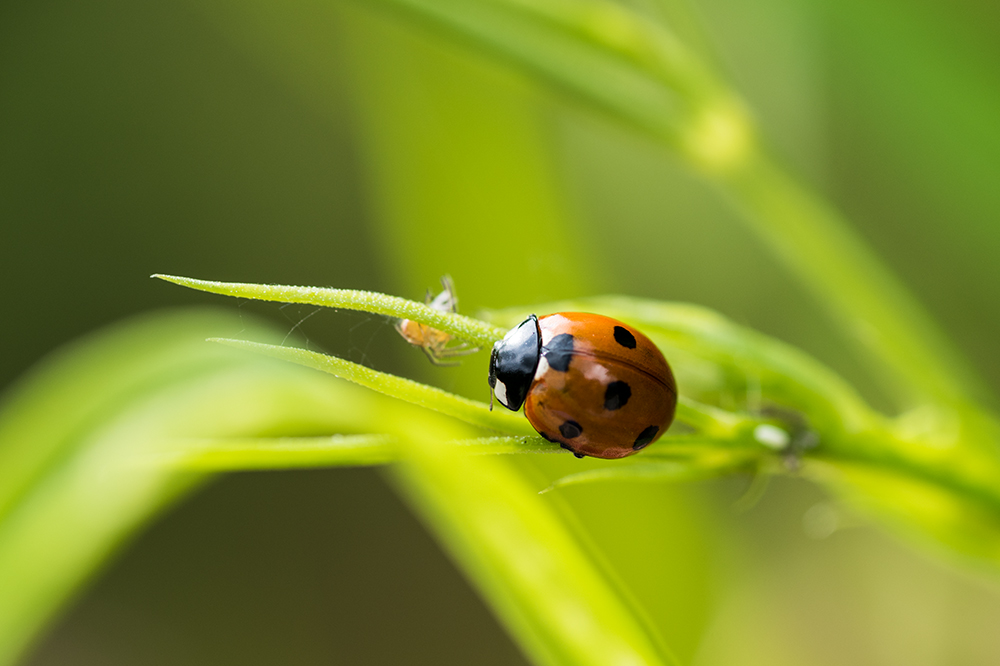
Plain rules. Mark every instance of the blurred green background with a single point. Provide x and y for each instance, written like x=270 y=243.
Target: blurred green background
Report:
x=329 y=143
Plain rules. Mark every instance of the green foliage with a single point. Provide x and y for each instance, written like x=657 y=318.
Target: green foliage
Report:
x=87 y=442
x=213 y=410
x=105 y=436
x=190 y=411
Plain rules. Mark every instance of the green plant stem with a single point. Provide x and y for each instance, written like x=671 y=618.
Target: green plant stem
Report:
x=246 y=453
x=464 y=328
x=657 y=472
x=966 y=472
x=865 y=299
x=713 y=422
x=710 y=421
x=879 y=447
x=430 y=397
x=726 y=441
x=232 y=454
x=944 y=458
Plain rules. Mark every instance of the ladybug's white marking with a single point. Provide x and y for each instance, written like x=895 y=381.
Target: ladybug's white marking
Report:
x=771 y=436
x=553 y=324
x=596 y=372
x=500 y=391
x=543 y=367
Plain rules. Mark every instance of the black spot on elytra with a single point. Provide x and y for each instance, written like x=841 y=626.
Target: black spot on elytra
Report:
x=645 y=437
x=616 y=395
x=559 y=351
x=570 y=429
x=624 y=337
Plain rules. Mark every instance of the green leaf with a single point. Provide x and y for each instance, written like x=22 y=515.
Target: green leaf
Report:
x=470 y=411
x=657 y=472
x=609 y=58
x=78 y=435
x=136 y=431
x=233 y=454
x=535 y=573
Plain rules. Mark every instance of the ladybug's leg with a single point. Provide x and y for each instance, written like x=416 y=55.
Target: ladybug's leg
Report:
x=567 y=447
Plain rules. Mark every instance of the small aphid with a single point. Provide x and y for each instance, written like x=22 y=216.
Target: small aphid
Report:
x=431 y=340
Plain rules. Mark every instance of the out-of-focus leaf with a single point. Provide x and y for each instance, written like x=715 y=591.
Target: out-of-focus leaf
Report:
x=461 y=170
x=538 y=578
x=608 y=57
x=924 y=79
x=644 y=471
x=958 y=524
x=75 y=438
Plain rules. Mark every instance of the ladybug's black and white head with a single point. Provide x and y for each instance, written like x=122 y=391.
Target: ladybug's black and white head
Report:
x=513 y=363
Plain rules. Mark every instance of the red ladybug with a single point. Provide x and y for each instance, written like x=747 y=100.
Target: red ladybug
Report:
x=592 y=384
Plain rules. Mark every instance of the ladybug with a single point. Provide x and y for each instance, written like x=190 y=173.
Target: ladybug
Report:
x=590 y=383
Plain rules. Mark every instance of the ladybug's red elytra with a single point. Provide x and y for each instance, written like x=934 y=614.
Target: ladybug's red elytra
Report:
x=590 y=383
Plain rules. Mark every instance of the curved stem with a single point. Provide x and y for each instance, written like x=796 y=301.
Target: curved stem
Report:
x=471 y=411
x=712 y=421
x=869 y=303
x=464 y=328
